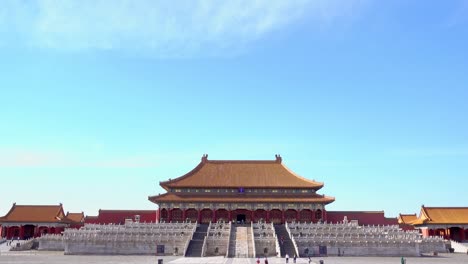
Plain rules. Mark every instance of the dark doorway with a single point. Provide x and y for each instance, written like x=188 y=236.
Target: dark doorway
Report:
x=28 y=231
x=241 y=218
x=323 y=250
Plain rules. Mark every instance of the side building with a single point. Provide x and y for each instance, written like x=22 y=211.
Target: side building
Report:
x=241 y=191
x=448 y=222
x=27 y=221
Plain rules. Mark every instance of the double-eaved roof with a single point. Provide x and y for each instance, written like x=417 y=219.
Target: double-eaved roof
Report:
x=241 y=173
x=247 y=174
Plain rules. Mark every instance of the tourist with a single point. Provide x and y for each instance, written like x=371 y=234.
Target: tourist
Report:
x=287 y=258
x=310 y=260
x=295 y=258
x=258 y=261
x=266 y=260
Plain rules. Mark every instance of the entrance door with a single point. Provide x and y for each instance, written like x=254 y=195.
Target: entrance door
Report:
x=241 y=218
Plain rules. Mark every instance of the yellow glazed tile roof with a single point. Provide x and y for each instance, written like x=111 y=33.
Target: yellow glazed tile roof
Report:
x=76 y=217
x=407 y=218
x=241 y=173
x=443 y=215
x=35 y=214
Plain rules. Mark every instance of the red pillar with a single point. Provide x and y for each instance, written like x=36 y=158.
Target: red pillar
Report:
x=268 y=216
x=298 y=219
x=184 y=214
x=282 y=217
x=324 y=215
x=169 y=215
x=214 y=216
x=21 y=234
x=229 y=216
x=462 y=234
x=158 y=217
x=199 y=216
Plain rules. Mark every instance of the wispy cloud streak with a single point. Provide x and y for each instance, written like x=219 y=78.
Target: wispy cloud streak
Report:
x=161 y=28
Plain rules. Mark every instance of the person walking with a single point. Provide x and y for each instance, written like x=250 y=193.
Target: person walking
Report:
x=287 y=258
x=294 y=260
x=266 y=260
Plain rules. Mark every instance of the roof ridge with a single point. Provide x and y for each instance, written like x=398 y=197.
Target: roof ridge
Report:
x=37 y=205
x=446 y=207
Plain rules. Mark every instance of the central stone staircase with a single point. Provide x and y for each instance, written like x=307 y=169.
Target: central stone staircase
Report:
x=240 y=244
x=196 y=244
x=287 y=246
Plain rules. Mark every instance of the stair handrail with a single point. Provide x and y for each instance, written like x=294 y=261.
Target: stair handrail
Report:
x=203 y=250
x=253 y=241
x=187 y=243
x=229 y=239
x=296 y=250
x=458 y=246
x=277 y=244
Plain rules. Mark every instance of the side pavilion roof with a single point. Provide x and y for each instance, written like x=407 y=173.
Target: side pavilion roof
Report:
x=35 y=214
x=441 y=216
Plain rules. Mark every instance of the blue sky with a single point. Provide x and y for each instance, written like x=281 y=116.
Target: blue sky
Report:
x=101 y=100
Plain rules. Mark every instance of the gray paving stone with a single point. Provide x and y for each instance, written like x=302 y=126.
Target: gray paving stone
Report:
x=35 y=257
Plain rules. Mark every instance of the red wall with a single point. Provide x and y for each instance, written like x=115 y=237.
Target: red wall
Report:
x=364 y=218
x=119 y=216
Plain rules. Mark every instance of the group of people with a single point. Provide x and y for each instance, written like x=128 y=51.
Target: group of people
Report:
x=294 y=258
x=286 y=257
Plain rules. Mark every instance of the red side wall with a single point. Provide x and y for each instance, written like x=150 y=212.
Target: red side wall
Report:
x=364 y=218
x=119 y=216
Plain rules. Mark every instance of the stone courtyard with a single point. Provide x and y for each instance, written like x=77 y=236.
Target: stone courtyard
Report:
x=35 y=257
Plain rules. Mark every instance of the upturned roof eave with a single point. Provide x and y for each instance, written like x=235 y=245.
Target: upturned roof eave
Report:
x=173 y=183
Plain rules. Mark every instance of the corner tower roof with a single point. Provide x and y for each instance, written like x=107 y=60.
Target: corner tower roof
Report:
x=241 y=173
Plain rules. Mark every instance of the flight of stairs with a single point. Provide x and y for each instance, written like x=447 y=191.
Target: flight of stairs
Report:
x=196 y=244
x=287 y=246
x=240 y=244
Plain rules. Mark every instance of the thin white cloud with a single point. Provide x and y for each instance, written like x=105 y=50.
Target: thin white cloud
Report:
x=161 y=28
x=47 y=158
x=31 y=158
